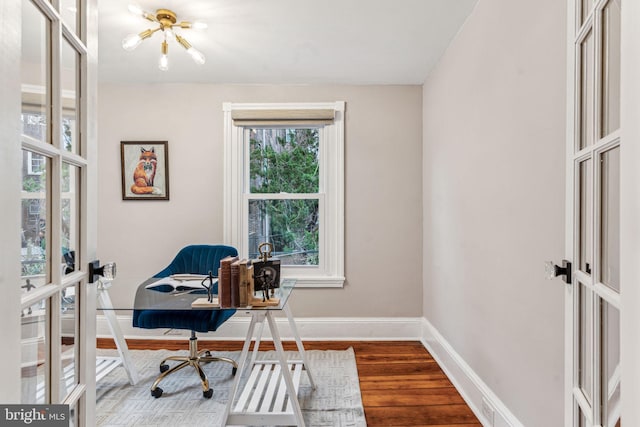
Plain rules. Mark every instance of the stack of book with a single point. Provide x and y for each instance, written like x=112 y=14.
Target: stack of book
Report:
x=235 y=282
x=236 y=286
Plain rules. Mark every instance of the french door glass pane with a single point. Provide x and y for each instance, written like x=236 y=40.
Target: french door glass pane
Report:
x=583 y=422
x=584 y=216
x=610 y=217
x=70 y=131
x=585 y=341
x=34 y=352
x=69 y=13
x=70 y=216
x=35 y=224
x=291 y=225
x=586 y=107
x=283 y=160
x=610 y=365
x=610 y=67
x=68 y=334
x=73 y=416
x=35 y=73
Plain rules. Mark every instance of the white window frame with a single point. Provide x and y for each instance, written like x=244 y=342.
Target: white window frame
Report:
x=330 y=271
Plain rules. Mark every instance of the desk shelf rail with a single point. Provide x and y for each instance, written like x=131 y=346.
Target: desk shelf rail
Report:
x=264 y=398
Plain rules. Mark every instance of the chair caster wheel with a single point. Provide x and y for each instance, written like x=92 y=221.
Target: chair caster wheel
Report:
x=208 y=393
x=233 y=371
x=157 y=392
x=207 y=353
x=164 y=368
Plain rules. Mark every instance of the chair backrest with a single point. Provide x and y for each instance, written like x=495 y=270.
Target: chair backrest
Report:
x=198 y=259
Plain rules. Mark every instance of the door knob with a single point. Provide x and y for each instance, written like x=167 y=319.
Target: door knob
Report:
x=553 y=270
x=108 y=271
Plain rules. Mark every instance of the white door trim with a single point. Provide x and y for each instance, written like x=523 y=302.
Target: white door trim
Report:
x=569 y=206
x=10 y=176
x=630 y=214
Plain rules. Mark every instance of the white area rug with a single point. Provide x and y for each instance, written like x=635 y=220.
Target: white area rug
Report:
x=335 y=402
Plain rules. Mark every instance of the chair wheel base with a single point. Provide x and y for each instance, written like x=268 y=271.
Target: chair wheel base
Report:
x=156 y=392
x=208 y=393
x=233 y=371
x=164 y=368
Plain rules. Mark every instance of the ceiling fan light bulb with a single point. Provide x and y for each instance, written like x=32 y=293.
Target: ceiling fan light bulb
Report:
x=135 y=9
x=131 y=42
x=197 y=56
x=164 y=63
x=199 y=25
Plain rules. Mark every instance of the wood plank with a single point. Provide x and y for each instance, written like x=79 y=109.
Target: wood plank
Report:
x=372 y=358
x=401 y=384
x=386 y=386
x=419 y=415
x=414 y=397
x=394 y=369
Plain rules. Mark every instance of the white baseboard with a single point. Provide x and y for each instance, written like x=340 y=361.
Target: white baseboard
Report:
x=311 y=329
x=472 y=389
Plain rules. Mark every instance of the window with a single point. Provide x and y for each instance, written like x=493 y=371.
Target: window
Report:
x=35 y=163
x=284 y=184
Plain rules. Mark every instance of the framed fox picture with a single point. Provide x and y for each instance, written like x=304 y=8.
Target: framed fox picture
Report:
x=144 y=170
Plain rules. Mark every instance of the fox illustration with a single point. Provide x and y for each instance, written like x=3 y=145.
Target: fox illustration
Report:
x=145 y=173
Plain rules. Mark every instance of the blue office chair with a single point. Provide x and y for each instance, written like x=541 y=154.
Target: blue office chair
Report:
x=196 y=259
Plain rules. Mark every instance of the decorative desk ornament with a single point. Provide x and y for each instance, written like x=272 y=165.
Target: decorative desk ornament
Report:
x=266 y=272
x=207 y=283
x=210 y=301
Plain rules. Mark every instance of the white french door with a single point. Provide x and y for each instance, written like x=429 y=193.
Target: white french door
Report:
x=48 y=209
x=593 y=374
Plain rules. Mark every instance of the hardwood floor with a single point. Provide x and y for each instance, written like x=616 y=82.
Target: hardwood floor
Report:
x=400 y=382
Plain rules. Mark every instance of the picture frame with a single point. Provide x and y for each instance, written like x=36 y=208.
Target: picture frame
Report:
x=266 y=274
x=144 y=169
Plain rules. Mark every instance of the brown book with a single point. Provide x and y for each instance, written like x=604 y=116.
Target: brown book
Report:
x=224 y=281
x=244 y=282
x=235 y=284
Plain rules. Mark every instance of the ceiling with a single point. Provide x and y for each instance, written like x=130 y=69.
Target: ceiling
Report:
x=285 y=41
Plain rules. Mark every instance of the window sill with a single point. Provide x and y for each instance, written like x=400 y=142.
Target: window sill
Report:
x=319 y=282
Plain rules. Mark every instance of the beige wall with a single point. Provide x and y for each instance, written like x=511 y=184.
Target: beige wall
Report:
x=494 y=138
x=383 y=187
